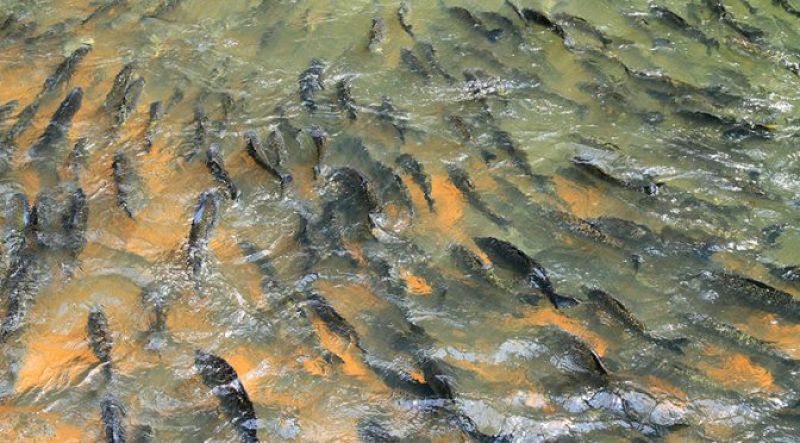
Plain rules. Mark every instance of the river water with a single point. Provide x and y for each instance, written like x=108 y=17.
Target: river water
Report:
x=623 y=148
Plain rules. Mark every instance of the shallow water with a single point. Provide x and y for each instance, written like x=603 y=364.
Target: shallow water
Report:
x=727 y=202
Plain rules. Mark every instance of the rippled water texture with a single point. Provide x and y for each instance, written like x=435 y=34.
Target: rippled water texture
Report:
x=381 y=221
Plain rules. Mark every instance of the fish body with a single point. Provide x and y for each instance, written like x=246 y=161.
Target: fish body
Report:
x=311 y=80
x=533 y=16
x=509 y=255
x=579 y=357
x=320 y=139
x=100 y=340
x=200 y=136
x=417 y=172
x=503 y=140
x=675 y=21
x=463 y=183
x=116 y=96
x=467 y=18
x=155 y=114
x=387 y=112
x=270 y=155
x=345 y=99
x=377 y=34
x=737 y=337
x=17 y=226
x=219 y=376
x=18 y=290
x=216 y=165
x=757 y=294
x=402 y=16
x=429 y=54
x=620 y=312
x=75 y=222
x=66 y=69
x=131 y=196
x=206 y=217
x=59 y=125
x=129 y=101
x=113 y=417
x=414 y=64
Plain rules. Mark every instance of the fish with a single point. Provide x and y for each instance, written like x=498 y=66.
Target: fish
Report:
x=216 y=165
x=18 y=291
x=155 y=114
x=463 y=183
x=735 y=336
x=113 y=417
x=269 y=156
x=311 y=80
x=402 y=16
x=370 y=431
x=219 y=376
x=78 y=157
x=786 y=273
x=7 y=108
x=75 y=222
x=116 y=95
x=519 y=159
x=503 y=252
x=100 y=340
x=102 y=10
x=352 y=205
x=532 y=16
x=129 y=101
x=429 y=54
x=320 y=139
x=154 y=298
x=200 y=133
x=675 y=21
x=377 y=34
x=573 y=21
x=757 y=294
x=205 y=219
x=47 y=218
x=460 y=126
x=414 y=64
x=787 y=7
x=464 y=16
x=620 y=313
x=166 y=7
x=345 y=99
x=589 y=166
x=131 y=196
x=17 y=226
x=722 y=14
x=387 y=112
x=59 y=125
x=474 y=266
x=412 y=167
x=579 y=357
x=66 y=69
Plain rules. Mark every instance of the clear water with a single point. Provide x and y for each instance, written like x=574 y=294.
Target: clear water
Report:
x=719 y=194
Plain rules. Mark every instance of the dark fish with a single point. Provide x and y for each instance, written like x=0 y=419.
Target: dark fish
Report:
x=17 y=225
x=18 y=290
x=722 y=14
x=200 y=133
x=113 y=416
x=481 y=85
x=464 y=16
x=618 y=311
x=429 y=54
x=581 y=24
x=787 y=7
x=320 y=139
x=116 y=96
x=129 y=101
x=502 y=140
x=311 y=80
x=269 y=156
x=216 y=165
x=464 y=184
x=377 y=33
x=142 y=434
x=102 y=10
x=352 y=204
x=417 y=172
x=131 y=196
x=675 y=21
x=505 y=253
x=59 y=125
x=734 y=129
x=757 y=294
x=371 y=431
x=205 y=219
x=100 y=339
x=579 y=356
x=474 y=266
x=387 y=112
x=647 y=187
x=155 y=115
x=75 y=222
x=177 y=96
x=78 y=157
x=532 y=16
x=414 y=64
x=6 y=109
x=225 y=384
x=402 y=16
x=737 y=337
x=46 y=218
x=786 y=273
x=66 y=69
x=460 y=126
x=154 y=298
x=345 y=99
